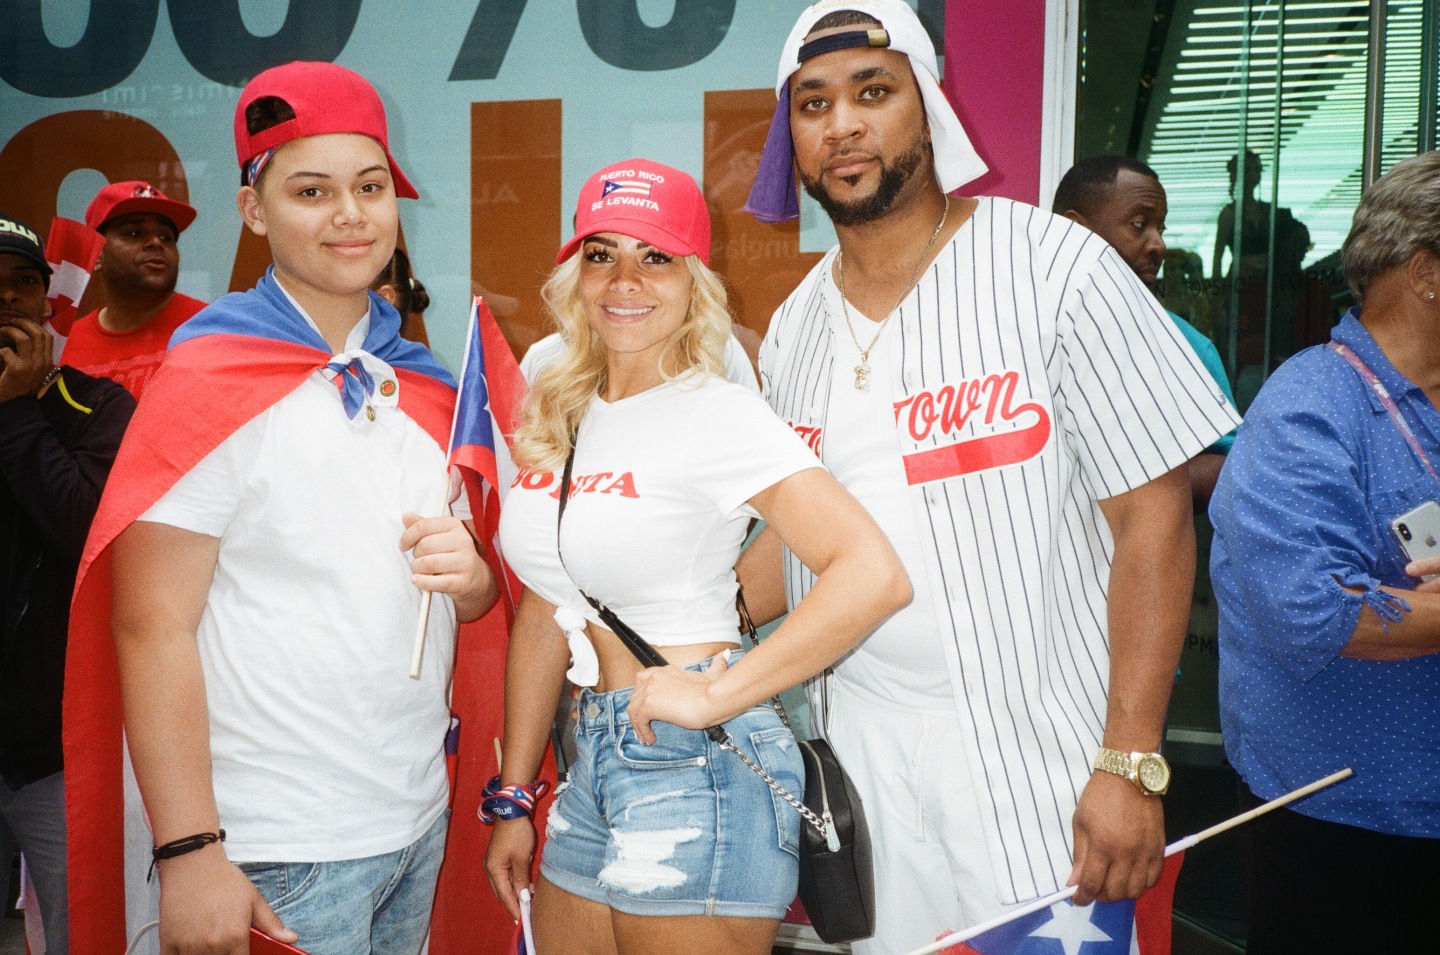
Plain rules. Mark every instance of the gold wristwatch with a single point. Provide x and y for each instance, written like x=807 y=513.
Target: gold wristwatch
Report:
x=1147 y=772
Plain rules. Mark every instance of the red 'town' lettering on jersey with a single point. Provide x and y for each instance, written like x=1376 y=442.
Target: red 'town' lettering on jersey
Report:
x=603 y=482
x=810 y=434
x=988 y=402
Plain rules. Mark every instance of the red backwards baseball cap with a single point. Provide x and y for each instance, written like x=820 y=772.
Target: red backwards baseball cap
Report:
x=325 y=98
x=647 y=201
x=123 y=198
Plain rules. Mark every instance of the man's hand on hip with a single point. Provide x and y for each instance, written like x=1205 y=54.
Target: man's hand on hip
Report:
x=1119 y=840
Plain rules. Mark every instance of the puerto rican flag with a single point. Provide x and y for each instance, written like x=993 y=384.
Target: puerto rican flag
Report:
x=1101 y=928
x=489 y=405
x=626 y=187
x=488 y=409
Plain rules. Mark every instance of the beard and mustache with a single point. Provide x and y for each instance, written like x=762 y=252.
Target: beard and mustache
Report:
x=893 y=178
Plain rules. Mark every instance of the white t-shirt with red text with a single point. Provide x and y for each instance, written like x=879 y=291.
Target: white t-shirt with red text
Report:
x=658 y=508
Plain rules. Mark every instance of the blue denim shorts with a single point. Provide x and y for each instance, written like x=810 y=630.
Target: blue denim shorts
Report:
x=680 y=827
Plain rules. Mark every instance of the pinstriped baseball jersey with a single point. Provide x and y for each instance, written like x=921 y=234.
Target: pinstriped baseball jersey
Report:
x=1032 y=375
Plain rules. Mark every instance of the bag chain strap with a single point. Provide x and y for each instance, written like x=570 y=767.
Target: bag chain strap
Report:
x=719 y=734
x=818 y=824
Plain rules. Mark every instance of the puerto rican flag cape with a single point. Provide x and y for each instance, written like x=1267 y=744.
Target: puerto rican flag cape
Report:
x=226 y=365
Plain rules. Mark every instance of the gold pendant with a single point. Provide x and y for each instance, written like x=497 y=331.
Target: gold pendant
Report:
x=862 y=376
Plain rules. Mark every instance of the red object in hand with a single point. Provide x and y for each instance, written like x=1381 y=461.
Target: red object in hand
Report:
x=262 y=944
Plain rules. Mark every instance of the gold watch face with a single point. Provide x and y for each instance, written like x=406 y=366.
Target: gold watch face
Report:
x=1153 y=773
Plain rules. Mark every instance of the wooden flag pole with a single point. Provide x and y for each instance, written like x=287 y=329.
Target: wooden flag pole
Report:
x=1245 y=817
x=423 y=623
x=955 y=938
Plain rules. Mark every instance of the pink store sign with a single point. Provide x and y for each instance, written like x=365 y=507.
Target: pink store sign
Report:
x=995 y=75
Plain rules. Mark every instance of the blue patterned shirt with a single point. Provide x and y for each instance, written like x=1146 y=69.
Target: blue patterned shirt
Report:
x=1303 y=506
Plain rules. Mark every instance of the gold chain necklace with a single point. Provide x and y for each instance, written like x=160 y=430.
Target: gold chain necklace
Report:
x=862 y=370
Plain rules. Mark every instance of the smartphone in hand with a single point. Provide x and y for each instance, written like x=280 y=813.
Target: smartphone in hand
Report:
x=1418 y=532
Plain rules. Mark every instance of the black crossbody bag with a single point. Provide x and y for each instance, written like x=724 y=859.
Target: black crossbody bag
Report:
x=837 y=877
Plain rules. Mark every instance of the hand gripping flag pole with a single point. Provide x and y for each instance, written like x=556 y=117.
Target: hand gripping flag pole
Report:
x=487 y=408
x=951 y=939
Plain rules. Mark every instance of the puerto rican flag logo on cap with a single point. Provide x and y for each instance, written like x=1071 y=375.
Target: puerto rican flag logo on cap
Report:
x=626 y=187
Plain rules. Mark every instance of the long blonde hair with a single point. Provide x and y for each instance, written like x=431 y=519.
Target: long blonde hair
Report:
x=563 y=390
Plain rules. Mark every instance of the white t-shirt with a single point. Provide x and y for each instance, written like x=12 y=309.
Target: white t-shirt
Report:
x=737 y=364
x=322 y=746
x=903 y=660
x=658 y=511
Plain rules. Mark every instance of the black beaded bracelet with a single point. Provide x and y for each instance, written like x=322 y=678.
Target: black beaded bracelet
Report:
x=178 y=847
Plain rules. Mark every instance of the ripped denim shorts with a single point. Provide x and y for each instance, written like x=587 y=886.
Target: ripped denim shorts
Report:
x=680 y=827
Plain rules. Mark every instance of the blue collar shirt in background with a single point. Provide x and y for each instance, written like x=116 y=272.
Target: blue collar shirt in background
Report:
x=1304 y=503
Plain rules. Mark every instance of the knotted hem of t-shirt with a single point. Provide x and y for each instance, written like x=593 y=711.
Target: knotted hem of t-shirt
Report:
x=584 y=663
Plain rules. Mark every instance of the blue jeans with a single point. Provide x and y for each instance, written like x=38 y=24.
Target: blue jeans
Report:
x=374 y=906
x=679 y=827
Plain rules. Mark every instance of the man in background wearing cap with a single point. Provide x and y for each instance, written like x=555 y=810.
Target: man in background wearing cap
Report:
x=1121 y=200
x=126 y=339
x=59 y=430
x=271 y=524
x=1028 y=388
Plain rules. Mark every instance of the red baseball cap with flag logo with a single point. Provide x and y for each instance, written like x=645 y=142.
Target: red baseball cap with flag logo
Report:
x=647 y=201
x=124 y=198
x=325 y=98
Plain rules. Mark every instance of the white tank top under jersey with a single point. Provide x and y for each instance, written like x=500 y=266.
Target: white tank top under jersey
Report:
x=322 y=746
x=903 y=661
x=657 y=511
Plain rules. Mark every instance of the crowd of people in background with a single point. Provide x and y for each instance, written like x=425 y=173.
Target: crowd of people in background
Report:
x=222 y=520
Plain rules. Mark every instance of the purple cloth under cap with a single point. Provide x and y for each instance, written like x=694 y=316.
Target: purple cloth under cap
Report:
x=773 y=197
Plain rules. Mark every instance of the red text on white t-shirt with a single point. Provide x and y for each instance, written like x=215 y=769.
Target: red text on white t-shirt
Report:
x=602 y=482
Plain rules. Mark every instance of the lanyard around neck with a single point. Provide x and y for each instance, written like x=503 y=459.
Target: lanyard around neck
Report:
x=1371 y=379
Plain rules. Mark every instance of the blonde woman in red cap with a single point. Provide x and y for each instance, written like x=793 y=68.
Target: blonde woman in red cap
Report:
x=661 y=841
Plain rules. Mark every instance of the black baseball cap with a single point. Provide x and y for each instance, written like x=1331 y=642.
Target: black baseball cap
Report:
x=18 y=238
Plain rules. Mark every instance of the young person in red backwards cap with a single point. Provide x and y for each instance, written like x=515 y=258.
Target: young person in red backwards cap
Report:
x=266 y=552
x=139 y=264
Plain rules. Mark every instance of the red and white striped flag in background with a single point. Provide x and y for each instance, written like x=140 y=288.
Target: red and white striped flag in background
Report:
x=72 y=250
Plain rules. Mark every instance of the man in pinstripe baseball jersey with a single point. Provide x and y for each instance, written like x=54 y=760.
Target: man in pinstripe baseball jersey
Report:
x=996 y=385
